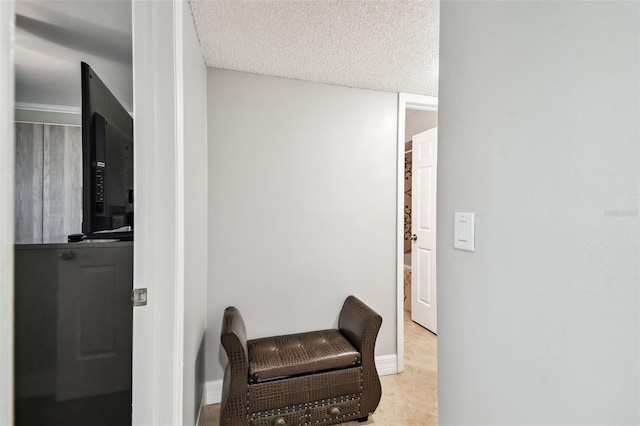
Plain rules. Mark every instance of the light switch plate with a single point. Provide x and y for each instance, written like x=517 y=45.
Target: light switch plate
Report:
x=464 y=230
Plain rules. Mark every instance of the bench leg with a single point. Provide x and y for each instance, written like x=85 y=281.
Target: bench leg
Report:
x=363 y=419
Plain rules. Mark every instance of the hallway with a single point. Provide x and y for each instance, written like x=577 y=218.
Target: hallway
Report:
x=411 y=397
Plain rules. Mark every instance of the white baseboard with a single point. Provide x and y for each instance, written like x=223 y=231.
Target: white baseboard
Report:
x=213 y=392
x=386 y=365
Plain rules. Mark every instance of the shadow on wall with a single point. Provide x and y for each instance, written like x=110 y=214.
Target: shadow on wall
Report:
x=199 y=382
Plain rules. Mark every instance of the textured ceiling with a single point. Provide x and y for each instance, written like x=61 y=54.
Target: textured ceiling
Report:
x=389 y=45
x=53 y=37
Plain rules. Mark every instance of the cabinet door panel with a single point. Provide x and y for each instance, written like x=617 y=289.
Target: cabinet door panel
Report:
x=94 y=337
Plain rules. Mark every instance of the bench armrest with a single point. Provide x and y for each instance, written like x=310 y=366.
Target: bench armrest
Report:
x=233 y=337
x=359 y=324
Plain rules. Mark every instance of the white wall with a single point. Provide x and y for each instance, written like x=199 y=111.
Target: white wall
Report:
x=302 y=205
x=7 y=146
x=539 y=131
x=53 y=37
x=195 y=218
x=418 y=121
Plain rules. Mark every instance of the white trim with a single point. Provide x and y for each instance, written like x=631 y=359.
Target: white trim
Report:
x=178 y=371
x=385 y=364
x=55 y=109
x=422 y=103
x=47 y=114
x=51 y=118
x=213 y=392
x=7 y=158
x=58 y=109
x=419 y=102
x=158 y=327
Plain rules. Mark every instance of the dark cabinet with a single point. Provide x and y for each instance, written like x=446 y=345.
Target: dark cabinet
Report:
x=73 y=328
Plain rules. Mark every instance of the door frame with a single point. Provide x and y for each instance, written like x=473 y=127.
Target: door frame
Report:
x=421 y=103
x=158 y=256
x=158 y=259
x=7 y=207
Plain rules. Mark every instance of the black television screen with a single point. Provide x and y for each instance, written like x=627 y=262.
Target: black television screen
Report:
x=107 y=158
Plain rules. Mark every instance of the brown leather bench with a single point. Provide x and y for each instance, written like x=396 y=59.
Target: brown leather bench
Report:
x=320 y=377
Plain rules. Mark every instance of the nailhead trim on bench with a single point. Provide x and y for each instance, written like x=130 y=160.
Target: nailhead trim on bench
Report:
x=328 y=403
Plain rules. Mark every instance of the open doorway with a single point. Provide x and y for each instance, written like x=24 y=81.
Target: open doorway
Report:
x=422 y=113
x=417 y=172
x=420 y=172
x=73 y=319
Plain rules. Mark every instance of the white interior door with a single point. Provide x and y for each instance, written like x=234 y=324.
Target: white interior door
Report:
x=423 y=226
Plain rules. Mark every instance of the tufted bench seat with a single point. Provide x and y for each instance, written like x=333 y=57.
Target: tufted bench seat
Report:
x=316 y=378
x=295 y=354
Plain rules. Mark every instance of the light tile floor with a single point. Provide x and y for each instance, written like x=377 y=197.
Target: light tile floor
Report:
x=409 y=398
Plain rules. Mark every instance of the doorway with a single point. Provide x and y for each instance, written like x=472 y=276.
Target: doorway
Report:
x=158 y=327
x=416 y=113
x=73 y=315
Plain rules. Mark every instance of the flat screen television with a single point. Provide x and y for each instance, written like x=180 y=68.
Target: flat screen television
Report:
x=107 y=161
